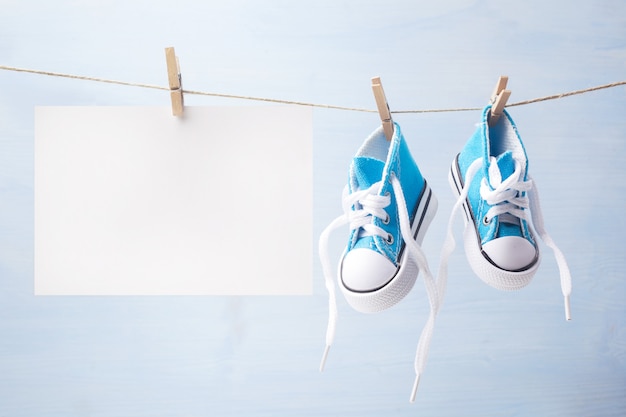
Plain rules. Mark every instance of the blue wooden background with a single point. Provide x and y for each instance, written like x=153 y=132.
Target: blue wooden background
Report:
x=493 y=353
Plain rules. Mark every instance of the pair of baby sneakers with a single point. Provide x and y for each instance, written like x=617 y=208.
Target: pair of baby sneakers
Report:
x=389 y=205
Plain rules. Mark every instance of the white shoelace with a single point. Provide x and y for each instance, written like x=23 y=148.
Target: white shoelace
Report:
x=508 y=197
x=369 y=204
x=510 y=202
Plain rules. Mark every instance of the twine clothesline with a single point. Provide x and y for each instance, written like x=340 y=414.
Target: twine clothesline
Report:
x=301 y=103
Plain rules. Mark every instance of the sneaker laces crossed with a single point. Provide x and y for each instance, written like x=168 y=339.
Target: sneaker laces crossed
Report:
x=367 y=204
x=508 y=198
x=511 y=199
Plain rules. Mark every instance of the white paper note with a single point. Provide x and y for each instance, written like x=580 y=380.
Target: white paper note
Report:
x=135 y=201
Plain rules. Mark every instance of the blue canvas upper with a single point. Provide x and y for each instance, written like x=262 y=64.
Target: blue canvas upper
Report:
x=376 y=160
x=503 y=143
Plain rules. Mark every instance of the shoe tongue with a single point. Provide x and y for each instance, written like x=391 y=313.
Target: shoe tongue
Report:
x=503 y=168
x=366 y=171
x=506 y=164
x=509 y=224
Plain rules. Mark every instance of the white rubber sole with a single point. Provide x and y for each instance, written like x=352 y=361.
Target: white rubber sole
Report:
x=480 y=264
x=402 y=283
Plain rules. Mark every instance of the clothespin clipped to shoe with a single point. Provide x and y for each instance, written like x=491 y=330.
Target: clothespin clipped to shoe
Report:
x=175 y=81
x=498 y=100
x=383 y=107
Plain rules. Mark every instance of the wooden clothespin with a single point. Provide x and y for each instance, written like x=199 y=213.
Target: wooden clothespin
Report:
x=498 y=100
x=175 y=81
x=383 y=107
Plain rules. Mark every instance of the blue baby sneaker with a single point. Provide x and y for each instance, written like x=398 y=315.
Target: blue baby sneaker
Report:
x=501 y=204
x=500 y=248
x=389 y=206
x=375 y=272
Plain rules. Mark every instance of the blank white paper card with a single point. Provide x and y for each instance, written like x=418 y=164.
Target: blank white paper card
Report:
x=135 y=201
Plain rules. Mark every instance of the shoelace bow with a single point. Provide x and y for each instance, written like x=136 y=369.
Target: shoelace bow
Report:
x=512 y=197
x=368 y=203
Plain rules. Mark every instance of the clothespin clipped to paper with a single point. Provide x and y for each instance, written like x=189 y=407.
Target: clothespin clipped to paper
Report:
x=383 y=107
x=175 y=81
x=498 y=100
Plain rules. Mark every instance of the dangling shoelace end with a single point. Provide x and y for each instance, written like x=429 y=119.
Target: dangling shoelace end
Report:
x=414 y=391
x=324 y=357
x=568 y=311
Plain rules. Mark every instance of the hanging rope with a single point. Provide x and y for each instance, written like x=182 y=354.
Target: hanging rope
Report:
x=301 y=103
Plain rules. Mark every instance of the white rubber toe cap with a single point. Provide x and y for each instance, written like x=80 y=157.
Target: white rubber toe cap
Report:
x=512 y=253
x=366 y=270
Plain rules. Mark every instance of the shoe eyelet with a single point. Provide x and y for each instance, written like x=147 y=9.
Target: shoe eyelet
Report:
x=486 y=221
x=389 y=239
x=386 y=219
